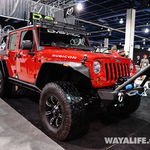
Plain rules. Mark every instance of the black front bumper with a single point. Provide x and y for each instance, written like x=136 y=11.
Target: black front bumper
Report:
x=107 y=95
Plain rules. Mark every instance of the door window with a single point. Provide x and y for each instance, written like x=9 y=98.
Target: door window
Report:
x=12 y=41
x=26 y=35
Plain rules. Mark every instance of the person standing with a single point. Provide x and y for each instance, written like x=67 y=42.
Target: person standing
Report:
x=144 y=63
x=138 y=61
x=113 y=51
x=122 y=53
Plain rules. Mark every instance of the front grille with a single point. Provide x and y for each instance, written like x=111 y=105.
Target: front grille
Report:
x=116 y=70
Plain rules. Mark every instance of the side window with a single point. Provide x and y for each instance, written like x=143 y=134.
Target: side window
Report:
x=26 y=35
x=12 y=41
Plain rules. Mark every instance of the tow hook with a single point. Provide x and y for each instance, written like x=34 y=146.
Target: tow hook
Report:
x=120 y=96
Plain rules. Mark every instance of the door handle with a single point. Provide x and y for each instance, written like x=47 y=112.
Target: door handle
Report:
x=18 y=56
x=7 y=55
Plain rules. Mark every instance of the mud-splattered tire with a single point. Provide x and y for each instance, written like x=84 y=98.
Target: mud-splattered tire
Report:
x=62 y=111
x=126 y=108
x=5 y=86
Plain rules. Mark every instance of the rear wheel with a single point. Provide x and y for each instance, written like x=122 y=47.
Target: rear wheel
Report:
x=62 y=111
x=5 y=86
x=125 y=108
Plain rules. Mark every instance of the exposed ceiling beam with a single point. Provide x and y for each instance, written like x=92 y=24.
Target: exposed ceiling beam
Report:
x=109 y=28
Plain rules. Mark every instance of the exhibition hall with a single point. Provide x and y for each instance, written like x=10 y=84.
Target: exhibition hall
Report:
x=74 y=75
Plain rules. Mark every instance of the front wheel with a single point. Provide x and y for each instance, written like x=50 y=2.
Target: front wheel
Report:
x=62 y=110
x=127 y=107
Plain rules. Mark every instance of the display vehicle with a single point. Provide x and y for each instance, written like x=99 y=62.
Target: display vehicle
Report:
x=55 y=59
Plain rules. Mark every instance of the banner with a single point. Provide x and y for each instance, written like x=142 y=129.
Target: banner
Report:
x=68 y=12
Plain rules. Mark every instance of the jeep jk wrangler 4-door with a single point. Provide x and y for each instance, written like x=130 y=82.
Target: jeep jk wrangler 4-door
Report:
x=56 y=60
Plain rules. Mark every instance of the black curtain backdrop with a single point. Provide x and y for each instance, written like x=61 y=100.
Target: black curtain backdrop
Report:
x=140 y=52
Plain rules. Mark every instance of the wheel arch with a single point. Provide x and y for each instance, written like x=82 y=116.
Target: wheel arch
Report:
x=3 y=68
x=60 y=71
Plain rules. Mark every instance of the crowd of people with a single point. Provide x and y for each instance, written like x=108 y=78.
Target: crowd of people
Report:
x=113 y=51
x=142 y=63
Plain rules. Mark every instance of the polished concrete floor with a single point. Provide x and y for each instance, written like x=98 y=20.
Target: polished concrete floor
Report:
x=21 y=128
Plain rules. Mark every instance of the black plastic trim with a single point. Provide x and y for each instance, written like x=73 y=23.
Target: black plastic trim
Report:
x=76 y=66
x=24 y=84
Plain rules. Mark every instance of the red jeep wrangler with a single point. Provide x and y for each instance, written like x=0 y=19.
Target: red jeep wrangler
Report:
x=56 y=60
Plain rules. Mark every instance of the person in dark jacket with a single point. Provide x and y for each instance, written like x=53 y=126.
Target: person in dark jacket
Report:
x=138 y=61
x=122 y=53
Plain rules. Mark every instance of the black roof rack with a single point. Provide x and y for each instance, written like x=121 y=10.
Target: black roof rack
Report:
x=55 y=25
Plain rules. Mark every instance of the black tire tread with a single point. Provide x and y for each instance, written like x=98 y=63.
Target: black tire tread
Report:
x=74 y=104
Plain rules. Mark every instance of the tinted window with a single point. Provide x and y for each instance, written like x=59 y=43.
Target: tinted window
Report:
x=49 y=37
x=26 y=35
x=12 y=41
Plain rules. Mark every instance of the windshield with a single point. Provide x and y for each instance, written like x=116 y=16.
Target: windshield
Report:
x=49 y=37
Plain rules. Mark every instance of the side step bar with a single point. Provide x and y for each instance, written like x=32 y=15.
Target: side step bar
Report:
x=24 y=84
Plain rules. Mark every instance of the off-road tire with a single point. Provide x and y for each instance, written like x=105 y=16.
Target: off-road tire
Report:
x=5 y=86
x=130 y=106
x=71 y=108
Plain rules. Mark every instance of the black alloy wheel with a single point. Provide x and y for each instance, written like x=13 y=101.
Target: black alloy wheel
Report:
x=62 y=111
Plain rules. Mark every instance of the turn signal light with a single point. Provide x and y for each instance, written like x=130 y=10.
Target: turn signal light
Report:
x=97 y=80
x=65 y=65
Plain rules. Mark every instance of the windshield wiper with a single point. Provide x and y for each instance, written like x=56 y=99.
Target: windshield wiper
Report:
x=84 y=48
x=64 y=46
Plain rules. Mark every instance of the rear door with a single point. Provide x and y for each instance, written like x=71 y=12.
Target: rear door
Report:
x=11 y=53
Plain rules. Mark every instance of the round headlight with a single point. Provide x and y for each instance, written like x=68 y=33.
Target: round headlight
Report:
x=97 y=67
x=131 y=66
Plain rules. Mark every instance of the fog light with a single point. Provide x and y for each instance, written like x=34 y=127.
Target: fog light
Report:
x=97 y=80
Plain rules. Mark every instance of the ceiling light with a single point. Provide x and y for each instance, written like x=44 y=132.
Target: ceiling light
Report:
x=142 y=47
x=121 y=21
x=108 y=30
x=146 y=30
x=79 y=6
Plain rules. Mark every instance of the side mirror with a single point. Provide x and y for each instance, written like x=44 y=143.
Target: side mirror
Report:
x=27 y=44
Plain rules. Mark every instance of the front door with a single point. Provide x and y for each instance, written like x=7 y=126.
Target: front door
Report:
x=25 y=65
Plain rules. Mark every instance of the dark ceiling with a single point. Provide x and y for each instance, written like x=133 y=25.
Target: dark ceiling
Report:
x=109 y=13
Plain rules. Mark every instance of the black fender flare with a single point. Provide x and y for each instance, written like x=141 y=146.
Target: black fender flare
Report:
x=76 y=66
x=79 y=67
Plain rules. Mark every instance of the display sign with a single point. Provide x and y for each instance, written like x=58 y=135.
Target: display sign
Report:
x=69 y=12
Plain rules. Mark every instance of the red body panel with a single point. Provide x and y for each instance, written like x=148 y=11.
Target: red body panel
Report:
x=27 y=66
